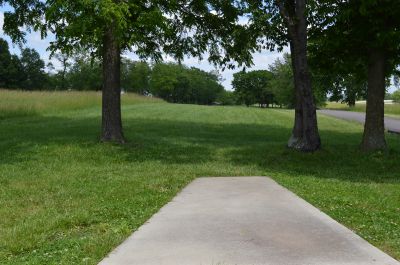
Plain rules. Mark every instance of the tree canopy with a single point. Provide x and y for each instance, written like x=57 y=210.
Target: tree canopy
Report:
x=282 y=82
x=254 y=87
x=180 y=84
x=359 y=41
x=24 y=72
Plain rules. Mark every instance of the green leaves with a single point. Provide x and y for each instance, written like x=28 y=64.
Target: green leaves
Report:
x=253 y=87
x=148 y=28
x=28 y=14
x=179 y=84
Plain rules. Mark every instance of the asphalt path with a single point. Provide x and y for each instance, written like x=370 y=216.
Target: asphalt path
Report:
x=391 y=124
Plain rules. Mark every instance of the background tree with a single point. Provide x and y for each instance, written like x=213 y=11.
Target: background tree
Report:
x=135 y=76
x=205 y=86
x=26 y=72
x=348 y=89
x=253 y=87
x=243 y=93
x=282 y=84
x=227 y=98
x=15 y=73
x=61 y=75
x=85 y=73
x=33 y=66
x=179 y=84
x=396 y=96
x=163 y=80
x=5 y=60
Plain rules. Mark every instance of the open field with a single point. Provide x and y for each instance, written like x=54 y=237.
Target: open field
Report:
x=22 y=103
x=65 y=198
x=391 y=110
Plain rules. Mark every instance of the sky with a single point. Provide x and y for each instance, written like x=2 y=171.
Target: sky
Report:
x=261 y=60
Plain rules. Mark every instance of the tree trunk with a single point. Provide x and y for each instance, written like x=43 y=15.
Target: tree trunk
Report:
x=351 y=96
x=111 y=108
x=63 y=73
x=374 y=128
x=297 y=132
x=305 y=136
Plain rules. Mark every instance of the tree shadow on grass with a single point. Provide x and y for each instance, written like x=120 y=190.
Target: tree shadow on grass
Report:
x=263 y=146
x=184 y=142
x=340 y=158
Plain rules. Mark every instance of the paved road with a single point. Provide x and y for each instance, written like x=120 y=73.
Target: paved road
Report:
x=391 y=124
x=243 y=221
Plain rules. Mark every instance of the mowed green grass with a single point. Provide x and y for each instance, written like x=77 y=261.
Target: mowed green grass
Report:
x=65 y=198
x=391 y=110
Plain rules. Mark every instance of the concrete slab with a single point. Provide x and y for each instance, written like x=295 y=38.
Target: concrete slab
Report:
x=243 y=221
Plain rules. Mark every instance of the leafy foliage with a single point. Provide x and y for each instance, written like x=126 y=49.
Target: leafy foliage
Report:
x=179 y=84
x=33 y=69
x=135 y=76
x=148 y=28
x=282 y=81
x=26 y=72
x=396 y=96
x=228 y=98
x=253 y=87
x=343 y=35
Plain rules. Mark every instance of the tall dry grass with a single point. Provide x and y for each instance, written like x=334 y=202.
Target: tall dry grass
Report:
x=15 y=103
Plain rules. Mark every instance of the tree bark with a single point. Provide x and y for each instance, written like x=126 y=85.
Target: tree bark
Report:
x=374 y=128
x=64 y=72
x=352 y=102
x=305 y=136
x=297 y=132
x=351 y=96
x=111 y=103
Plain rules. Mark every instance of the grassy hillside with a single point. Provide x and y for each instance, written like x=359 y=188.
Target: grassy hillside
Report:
x=65 y=198
x=392 y=110
x=22 y=103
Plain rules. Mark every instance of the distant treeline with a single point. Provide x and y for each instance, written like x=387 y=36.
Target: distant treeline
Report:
x=24 y=72
x=270 y=87
x=170 y=81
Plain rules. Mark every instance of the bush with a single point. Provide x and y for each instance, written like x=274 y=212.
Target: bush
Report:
x=227 y=98
x=396 y=96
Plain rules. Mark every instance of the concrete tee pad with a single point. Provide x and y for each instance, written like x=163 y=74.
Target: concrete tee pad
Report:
x=243 y=221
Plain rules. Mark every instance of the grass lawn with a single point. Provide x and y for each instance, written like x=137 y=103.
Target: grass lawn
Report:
x=65 y=198
x=391 y=110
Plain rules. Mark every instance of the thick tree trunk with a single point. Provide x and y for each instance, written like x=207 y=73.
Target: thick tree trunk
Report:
x=297 y=132
x=374 y=128
x=351 y=98
x=111 y=108
x=305 y=136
